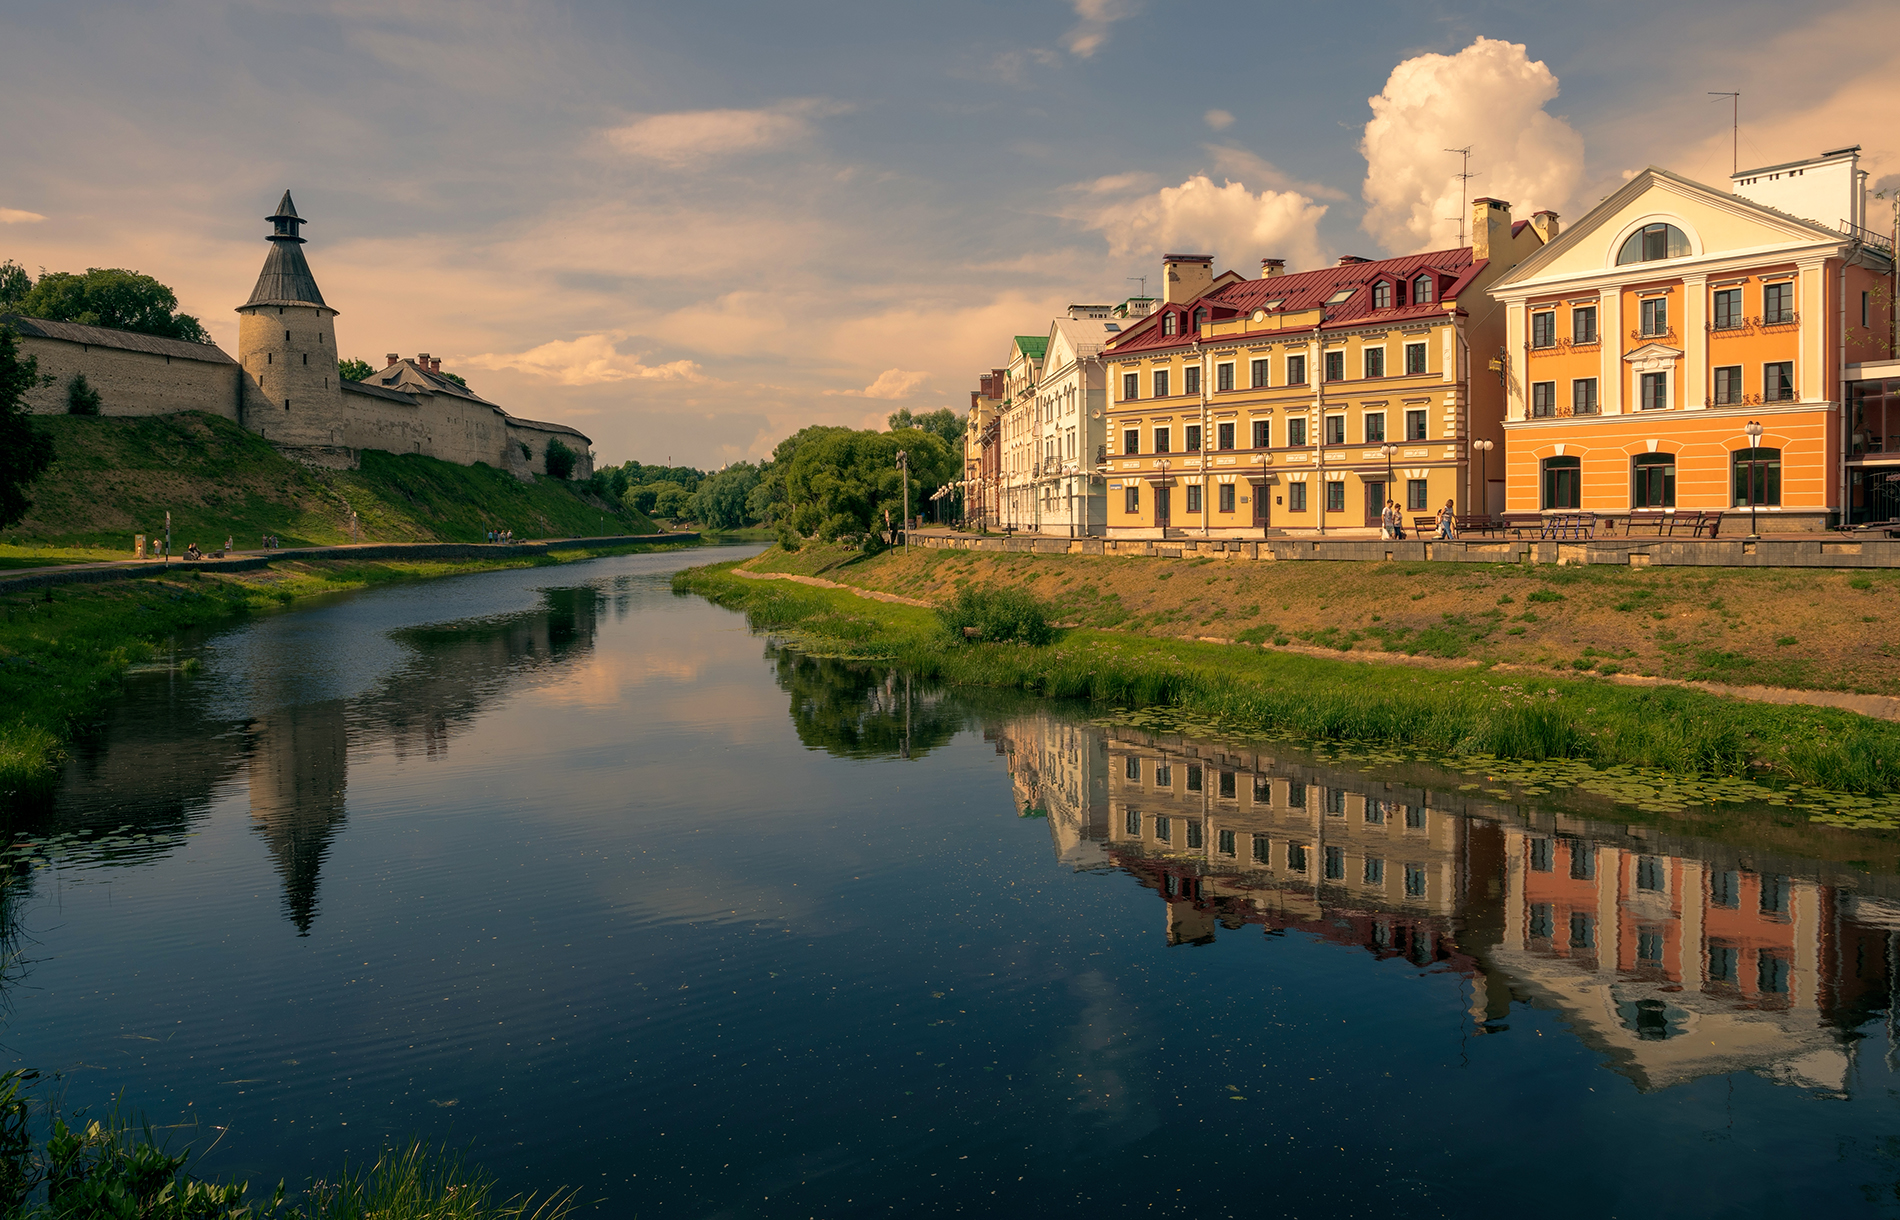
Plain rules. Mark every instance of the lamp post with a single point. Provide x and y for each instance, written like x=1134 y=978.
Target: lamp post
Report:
x=1161 y=485
x=1753 y=429
x=1483 y=447
x=903 y=465
x=1398 y=518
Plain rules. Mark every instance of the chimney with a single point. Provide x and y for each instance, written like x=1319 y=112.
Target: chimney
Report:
x=1271 y=267
x=1347 y=260
x=392 y=357
x=435 y=364
x=1545 y=223
x=1490 y=227
x=1185 y=276
x=422 y=360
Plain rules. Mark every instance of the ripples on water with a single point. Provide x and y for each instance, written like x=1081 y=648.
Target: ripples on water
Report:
x=594 y=880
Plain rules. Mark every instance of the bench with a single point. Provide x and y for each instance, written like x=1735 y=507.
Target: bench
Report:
x=1668 y=524
x=1558 y=526
x=1479 y=523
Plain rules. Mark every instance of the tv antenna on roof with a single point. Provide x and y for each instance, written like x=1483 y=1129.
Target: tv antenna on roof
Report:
x=1734 y=130
x=1464 y=176
x=1143 y=281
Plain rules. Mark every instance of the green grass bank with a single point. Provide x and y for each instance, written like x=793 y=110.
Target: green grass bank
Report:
x=1463 y=712
x=64 y=651
x=117 y=476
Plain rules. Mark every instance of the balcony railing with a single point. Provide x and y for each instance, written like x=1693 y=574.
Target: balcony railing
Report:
x=1654 y=335
x=1750 y=400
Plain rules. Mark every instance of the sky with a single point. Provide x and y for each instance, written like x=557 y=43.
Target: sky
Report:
x=690 y=230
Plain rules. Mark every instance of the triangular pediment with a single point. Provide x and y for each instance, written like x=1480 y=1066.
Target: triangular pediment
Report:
x=1652 y=357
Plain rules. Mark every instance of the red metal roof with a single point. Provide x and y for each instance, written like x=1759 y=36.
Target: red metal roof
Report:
x=1451 y=270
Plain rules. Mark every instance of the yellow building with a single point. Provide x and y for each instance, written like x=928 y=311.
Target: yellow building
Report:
x=1646 y=340
x=1304 y=402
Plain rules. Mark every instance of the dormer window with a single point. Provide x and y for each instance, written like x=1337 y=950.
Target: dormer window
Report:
x=1653 y=242
x=1200 y=319
x=1341 y=295
x=1382 y=295
x=1168 y=323
x=1422 y=290
x=1275 y=303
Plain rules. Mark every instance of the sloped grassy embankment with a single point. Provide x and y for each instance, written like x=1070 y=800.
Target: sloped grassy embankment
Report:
x=1467 y=712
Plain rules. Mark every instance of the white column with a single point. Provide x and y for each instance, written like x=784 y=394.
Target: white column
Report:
x=1516 y=389
x=1695 y=341
x=1810 y=374
x=1610 y=329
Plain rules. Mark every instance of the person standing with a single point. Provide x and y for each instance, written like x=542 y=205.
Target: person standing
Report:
x=1447 y=523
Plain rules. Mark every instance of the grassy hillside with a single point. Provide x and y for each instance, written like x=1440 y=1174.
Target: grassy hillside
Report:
x=116 y=477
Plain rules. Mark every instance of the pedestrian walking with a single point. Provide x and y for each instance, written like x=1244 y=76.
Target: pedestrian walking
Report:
x=1447 y=523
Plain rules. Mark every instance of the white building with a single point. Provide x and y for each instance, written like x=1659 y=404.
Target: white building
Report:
x=1021 y=432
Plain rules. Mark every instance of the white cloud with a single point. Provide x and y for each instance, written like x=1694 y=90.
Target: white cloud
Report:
x=1219 y=120
x=895 y=383
x=14 y=216
x=589 y=360
x=1092 y=30
x=1490 y=96
x=1240 y=165
x=686 y=136
x=1228 y=221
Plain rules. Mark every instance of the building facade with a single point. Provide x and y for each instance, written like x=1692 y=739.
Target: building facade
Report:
x=1684 y=348
x=1304 y=402
x=1020 y=435
x=981 y=452
x=1072 y=426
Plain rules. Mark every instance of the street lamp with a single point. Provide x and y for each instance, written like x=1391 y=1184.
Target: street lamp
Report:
x=1754 y=430
x=903 y=464
x=1483 y=447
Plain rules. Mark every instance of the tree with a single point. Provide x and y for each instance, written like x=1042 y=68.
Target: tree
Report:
x=25 y=451
x=15 y=283
x=111 y=297
x=560 y=460
x=81 y=398
x=456 y=378
x=722 y=501
x=842 y=485
x=353 y=369
x=673 y=502
x=942 y=423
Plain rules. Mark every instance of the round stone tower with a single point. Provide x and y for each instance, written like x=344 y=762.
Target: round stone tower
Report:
x=287 y=345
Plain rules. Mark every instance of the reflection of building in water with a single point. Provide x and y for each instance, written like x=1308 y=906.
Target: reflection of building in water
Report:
x=299 y=774
x=1059 y=769
x=1673 y=964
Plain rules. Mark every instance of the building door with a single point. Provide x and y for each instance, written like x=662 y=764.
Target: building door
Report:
x=1375 y=503
x=1259 y=505
x=1161 y=505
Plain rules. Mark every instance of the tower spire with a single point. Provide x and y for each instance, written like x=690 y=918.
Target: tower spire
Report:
x=286 y=278
x=286 y=220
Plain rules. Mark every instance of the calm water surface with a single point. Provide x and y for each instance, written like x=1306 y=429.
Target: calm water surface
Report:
x=589 y=877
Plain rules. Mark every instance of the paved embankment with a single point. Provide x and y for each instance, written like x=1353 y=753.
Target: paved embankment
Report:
x=95 y=573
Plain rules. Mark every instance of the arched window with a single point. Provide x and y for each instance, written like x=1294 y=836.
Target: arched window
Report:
x=1382 y=295
x=1652 y=242
x=1757 y=477
x=1168 y=323
x=1655 y=481
x=1422 y=290
x=1200 y=318
x=1563 y=482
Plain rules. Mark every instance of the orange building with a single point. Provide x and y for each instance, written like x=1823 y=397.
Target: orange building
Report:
x=1683 y=348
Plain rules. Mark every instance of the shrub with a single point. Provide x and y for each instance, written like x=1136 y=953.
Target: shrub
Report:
x=81 y=398
x=560 y=460
x=1000 y=616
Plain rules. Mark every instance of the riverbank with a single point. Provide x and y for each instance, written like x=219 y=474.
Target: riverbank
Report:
x=64 y=650
x=1466 y=711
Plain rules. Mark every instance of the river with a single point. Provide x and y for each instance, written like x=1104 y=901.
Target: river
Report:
x=590 y=879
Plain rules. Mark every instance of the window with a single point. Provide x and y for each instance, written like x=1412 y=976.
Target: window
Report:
x=1295 y=792
x=1777 y=304
x=1374 y=871
x=1334 y=800
x=1191 y=379
x=1583 y=930
x=1262 y=790
x=1583 y=396
x=1422 y=290
x=1655 y=483
x=1563 y=482
x=1223 y=377
x=1728 y=309
x=1164 y=776
x=1722 y=963
x=1226 y=792
x=1344 y=294
x=1774 y=894
x=1415 y=493
x=1258 y=369
x=1296 y=857
x=1414 y=358
x=1415 y=425
x=1777 y=381
x=1654 y=313
x=1542 y=923
x=1375 y=813
x=1543 y=399
x=1131 y=499
x=1543 y=855
x=1374 y=427
x=1161 y=383
x=1336 y=496
x=1194 y=774
x=1295 y=433
x=1583 y=324
x=1335 y=429
x=1375 y=362
x=1757 y=477
x=1655 y=391
x=1133 y=824
x=1652 y=242
x=1194 y=497
x=1262 y=433
x=1200 y=318
x=1296 y=497
x=1131 y=440
x=1414 y=817
x=1335 y=366
x=1262 y=849
x=1226 y=841
x=1649 y=873
x=1725 y=889
x=1227 y=497
x=1296 y=370
x=1866 y=311
x=1649 y=946
x=1194 y=829
x=1728 y=385
x=1191 y=436
x=1771 y=972
x=1382 y=295
x=1161 y=440
x=1335 y=864
x=1414 y=881
x=1131 y=768
x=1169 y=323
x=1223 y=436
x=1131 y=386
x=1544 y=329
x=1164 y=829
